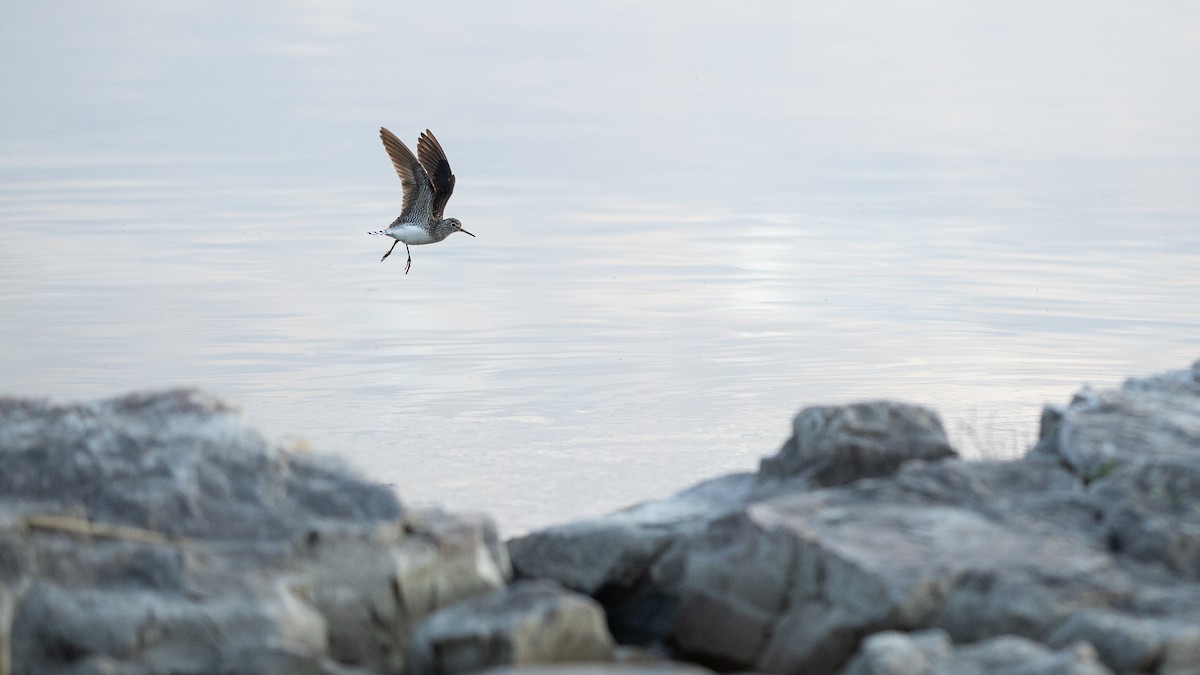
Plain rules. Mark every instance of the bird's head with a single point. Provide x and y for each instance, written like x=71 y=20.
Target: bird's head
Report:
x=456 y=225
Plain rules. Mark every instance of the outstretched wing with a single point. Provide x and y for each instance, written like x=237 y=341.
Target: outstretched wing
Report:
x=418 y=193
x=433 y=160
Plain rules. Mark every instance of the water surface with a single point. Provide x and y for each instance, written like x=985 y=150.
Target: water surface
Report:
x=692 y=221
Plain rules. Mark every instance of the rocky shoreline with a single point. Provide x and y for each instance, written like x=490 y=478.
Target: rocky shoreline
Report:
x=155 y=533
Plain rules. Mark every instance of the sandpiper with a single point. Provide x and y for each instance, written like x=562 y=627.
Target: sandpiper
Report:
x=428 y=183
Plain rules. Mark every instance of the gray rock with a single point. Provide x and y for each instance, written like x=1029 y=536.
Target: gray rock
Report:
x=57 y=627
x=1151 y=512
x=1029 y=494
x=1154 y=419
x=1138 y=449
x=617 y=549
x=657 y=668
x=374 y=589
x=931 y=652
x=632 y=561
x=842 y=535
x=793 y=584
x=778 y=573
x=896 y=653
x=179 y=463
x=1127 y=643
x=156 y=533
x=1182 y=382
x=1042 y=548
x=531 y=622
x=835 y=445
x=1012 y=655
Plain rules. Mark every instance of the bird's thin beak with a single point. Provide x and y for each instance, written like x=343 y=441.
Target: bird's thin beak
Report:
x=464 y=231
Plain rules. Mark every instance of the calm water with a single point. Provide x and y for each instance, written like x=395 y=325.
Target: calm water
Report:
x=692 y=220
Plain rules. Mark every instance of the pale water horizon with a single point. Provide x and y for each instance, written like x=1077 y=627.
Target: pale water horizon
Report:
x=692 y=220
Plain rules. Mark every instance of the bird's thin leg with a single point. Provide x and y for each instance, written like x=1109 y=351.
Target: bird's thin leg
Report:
x=409 y=263
x=385 y=255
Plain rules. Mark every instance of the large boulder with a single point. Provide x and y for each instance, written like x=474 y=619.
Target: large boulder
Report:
x=179 y=463
x=793 y=584
x=1138 y=448
x=1154 y=419
x=836 y=445
x=156 y=533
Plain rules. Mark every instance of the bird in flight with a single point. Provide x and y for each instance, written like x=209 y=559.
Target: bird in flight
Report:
x=427 y=183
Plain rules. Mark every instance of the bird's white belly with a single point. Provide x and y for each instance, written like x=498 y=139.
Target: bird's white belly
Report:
x=410 y=234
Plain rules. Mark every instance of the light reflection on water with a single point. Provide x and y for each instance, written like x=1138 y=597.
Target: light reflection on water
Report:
x=659 y=282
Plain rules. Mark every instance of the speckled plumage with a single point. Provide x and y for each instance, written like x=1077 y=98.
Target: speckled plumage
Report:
x=428 y=184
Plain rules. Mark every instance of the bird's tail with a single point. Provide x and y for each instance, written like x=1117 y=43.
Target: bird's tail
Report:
x=378 y=232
